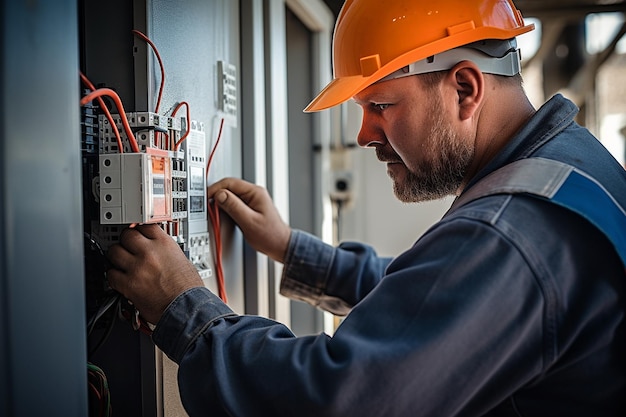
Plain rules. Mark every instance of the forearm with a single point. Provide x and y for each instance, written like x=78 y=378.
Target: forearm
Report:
x=334 y=279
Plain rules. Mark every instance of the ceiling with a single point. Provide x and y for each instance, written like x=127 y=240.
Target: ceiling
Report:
x=560 y=8
x=545 y=9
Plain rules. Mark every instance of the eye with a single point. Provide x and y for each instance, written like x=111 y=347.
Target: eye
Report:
x=380 y=106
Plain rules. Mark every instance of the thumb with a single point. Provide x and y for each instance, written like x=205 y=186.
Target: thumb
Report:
x=221 y=196
x=258 y=219
x=239 y=211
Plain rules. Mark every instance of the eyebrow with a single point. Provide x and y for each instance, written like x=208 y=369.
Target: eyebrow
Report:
x=374 y=96
x=357 y=102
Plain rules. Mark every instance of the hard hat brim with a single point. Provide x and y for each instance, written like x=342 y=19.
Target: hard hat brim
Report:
x=338 y=91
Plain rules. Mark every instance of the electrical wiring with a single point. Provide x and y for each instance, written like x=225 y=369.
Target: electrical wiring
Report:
x=106 y=111
x=217 y=141
x=214 y=216
x=99 y=387
x=92 y=350
x=101 y=297
x=162 y=83
x=181 y=140
x=120 y=107
x=158 y=57
x=215 y=223
x=116 y=302
x=103 y=309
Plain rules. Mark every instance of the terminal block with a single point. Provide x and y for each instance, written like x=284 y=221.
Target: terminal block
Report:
x=200 y=254
x=152 y=131
x=198 y=242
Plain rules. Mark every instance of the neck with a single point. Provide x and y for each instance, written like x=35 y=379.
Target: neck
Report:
x=503 y=114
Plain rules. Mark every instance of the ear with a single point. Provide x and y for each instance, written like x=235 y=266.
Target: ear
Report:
x=469 y=83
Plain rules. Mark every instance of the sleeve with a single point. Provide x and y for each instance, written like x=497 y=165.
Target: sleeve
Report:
x=442 y=334
x=332 y=278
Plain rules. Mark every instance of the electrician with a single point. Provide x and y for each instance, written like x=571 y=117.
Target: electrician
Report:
x=512 y=305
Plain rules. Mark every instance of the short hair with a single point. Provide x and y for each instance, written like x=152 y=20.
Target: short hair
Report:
x=431 y=79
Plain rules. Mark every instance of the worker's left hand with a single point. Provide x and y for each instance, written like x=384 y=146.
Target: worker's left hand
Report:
x=150 y=270
x=252 y=208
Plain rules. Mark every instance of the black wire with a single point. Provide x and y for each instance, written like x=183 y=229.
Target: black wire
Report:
x=101 y=311
x=108 y=331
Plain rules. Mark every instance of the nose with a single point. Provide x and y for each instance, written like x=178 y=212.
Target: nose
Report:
x=370 y=135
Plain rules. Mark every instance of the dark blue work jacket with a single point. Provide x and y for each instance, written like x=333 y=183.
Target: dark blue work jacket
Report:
x=509 y=306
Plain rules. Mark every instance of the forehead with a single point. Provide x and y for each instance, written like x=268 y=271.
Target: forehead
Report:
x=387 y=90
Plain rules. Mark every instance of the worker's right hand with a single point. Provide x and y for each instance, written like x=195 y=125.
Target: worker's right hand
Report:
x=252 y=208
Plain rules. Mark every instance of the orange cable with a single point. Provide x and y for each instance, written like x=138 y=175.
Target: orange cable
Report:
x=106 y=111
x=158 y=56
x=120 y=107
x=182 y=103
x=214 y=215
x=215 y=222
x=219 y=136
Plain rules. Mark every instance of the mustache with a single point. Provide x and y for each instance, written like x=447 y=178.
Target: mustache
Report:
x=385 y=155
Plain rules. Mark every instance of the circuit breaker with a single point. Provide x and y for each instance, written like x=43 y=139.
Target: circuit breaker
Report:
x=135 y=188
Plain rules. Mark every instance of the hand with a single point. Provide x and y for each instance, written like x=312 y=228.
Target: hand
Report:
x=252 y=208
x=150 y=270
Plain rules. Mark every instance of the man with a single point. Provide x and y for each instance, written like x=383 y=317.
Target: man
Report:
x=511 y=305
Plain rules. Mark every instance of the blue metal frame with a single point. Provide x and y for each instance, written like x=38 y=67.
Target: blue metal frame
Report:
x=42 y=323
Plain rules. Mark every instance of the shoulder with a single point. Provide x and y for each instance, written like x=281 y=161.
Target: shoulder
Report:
x=544 y=233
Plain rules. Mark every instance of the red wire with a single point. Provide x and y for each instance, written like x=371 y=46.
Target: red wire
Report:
x=214 y=215
x=217 y=141
x=96 y=392
x=106 y=111
x=182 y=103
x=158 y=56
x=120 y=108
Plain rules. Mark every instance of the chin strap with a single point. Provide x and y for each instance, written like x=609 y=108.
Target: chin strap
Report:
x=561 y=184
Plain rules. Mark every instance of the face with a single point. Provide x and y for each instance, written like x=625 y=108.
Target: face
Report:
x=412 y=131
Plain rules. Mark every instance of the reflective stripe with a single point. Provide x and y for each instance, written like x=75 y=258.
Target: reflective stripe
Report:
x=597 y=206
x=561 y=184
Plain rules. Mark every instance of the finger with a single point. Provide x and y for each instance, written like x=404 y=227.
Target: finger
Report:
x=150 y=231
x=137 y=238
x=244 y=190
x=219 y=185
x=128 y=238
x=236 y=208
x=119 y=257
x=118 y=280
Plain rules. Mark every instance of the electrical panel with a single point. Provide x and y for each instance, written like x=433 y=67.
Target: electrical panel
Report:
x=162 y=183
x=156 y=176
x=142 y=167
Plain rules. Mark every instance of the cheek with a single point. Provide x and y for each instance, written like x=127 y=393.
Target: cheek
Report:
x=407 y=143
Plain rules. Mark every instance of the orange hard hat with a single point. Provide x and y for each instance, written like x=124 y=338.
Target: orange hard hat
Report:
x=374 y=38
